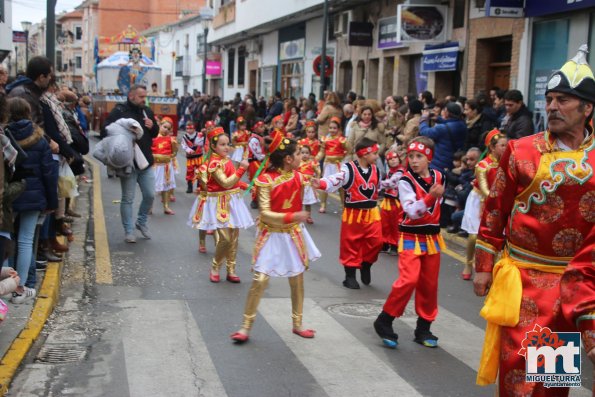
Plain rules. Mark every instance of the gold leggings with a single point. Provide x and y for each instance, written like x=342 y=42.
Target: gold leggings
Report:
x=226 y=249
x=260 y=281
x=471 y=252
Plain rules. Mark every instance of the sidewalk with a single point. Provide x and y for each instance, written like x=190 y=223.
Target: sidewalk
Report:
x=25 y=322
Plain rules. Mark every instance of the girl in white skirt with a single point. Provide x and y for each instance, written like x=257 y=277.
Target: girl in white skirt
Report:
x=333 y=150
x=485 y=175
x=283 y=246
x=309 y=168
x=239 y=140
x=222 y=208
x=165 y=148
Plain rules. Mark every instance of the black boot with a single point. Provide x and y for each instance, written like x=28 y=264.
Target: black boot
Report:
x=423 y=336
x=254 y=204
x=385 y=248
x=189 y=190
x=365 y=273
x=350 y=281
x=384 y=328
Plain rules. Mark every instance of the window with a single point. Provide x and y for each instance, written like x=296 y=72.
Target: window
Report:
x=231 y=60
x=179 y=66
x=78 y=33
x=241 y=66
x=78 y=62
x=59 y=61
x=458 y=19
x=200 y=44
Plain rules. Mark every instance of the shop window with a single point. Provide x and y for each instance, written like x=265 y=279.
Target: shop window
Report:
x=292 y=79
x=78 y=62
x=241 y=66
x=592 y=39
x=231 y=61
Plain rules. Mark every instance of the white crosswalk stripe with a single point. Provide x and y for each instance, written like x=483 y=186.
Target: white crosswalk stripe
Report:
x=331 y=366
x=163 y=357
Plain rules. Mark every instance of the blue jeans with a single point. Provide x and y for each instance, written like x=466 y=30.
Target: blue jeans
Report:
x=146 y=182
x=25 y=238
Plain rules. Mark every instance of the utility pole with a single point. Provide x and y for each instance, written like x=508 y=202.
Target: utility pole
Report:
x=50 y=31
x=323 y=55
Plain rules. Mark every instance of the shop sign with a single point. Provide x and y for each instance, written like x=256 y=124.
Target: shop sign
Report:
x=537 y=8
x=213 y=68
x=440 y=58
x=361 y=34
x=19 y=37
x=387 y=33
x=422 y=23
x=293 y=49
x=505 y=8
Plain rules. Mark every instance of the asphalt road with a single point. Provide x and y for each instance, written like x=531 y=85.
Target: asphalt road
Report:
x=159 y=327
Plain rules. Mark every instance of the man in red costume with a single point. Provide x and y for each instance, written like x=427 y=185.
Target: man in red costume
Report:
x=539 y=213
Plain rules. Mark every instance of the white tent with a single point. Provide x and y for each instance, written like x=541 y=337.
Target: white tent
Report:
x=110 y=78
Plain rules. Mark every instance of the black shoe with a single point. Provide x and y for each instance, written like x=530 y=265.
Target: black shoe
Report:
x=393 y=250
x=254 y=204
x=463 y=234
x=351 y=283
x=365 y=273
x=41 y=265
x=385 y=248
x=189 y=190
x=384 y=328
x=423 y=335
x=452 y=229
x=47 y=255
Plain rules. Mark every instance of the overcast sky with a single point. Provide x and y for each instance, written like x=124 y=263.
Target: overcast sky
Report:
x=35 y=10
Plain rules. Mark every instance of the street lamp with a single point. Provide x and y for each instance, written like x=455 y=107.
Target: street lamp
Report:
x=26 y=25
x=205 y=22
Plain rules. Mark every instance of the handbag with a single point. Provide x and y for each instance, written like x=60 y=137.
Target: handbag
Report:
x=21 y=154
x=3 y=310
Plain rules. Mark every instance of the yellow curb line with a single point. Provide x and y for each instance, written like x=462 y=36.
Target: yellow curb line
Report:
x=103 y=262
x=43 y=307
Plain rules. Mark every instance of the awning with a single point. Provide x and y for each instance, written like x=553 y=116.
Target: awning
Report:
x=440 y=57
x=538 y=8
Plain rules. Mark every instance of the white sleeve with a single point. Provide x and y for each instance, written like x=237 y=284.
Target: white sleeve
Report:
x=185 y=146
x=254 y=145
x=392 y=182
x=336 y=181
x=414 y=209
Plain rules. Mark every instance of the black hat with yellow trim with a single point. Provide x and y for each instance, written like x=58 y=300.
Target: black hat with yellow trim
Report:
x=574 y=78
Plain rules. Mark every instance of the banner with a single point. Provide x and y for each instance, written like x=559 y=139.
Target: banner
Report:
x=422 y=23
x=506 y=8
x=19 y=37
x=537 y=8
x=440 y=58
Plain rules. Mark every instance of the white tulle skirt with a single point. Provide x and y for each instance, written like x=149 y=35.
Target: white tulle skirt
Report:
x=472 y=216
x=279 y=256
x=330 y=169
x=310 y=196
x=165 y=176
x=237 y=154
x=205 y=218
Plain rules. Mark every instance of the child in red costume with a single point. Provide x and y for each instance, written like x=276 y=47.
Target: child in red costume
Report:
x=332 y=150
x=192 y=143
x=239 y=140
x=390 y=209
x=311 y=139
x=361 y=230
x=165 y=148
x=309 y=168
x=420 y=192
x=255 y=155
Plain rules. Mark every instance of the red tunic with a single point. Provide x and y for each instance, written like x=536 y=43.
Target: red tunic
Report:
x=162 y=145
x=313 y=144
x=226 y=165
x=308 y=168
x=539 y=211
x=335 y=148
x=240 y=138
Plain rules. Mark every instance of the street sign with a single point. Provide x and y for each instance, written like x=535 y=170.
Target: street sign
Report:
x=19 y=36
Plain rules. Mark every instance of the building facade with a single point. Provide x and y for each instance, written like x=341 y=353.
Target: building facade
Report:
x=69 y=52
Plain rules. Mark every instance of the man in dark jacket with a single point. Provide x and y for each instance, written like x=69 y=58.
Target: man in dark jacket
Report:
x=518 y=121
x=135 y=109
x=276 y=109
x=448 y=135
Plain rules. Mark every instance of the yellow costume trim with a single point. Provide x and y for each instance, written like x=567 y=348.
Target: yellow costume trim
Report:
x=417 y=248
x=502 y=308
x=363 y=215
x=162 y=158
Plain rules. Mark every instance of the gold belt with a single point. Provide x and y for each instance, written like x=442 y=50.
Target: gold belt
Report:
x=223 y=193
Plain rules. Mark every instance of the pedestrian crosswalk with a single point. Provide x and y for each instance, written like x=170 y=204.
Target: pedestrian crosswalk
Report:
x=172 y=358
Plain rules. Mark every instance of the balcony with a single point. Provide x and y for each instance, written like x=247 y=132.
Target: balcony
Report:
x=226 y=14
x=182 y=67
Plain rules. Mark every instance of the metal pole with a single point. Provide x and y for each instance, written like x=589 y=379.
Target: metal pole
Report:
x=27 y=47
x=50 y=32
x=16 y=61
x=204 y=62
x=323 y=55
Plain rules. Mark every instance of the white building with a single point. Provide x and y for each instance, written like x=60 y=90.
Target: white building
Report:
x=5 y=30
x=269 y=46
x=179 y=51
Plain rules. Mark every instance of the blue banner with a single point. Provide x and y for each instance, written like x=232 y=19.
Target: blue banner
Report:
x=506 y=8
x=440 y=58
x=537 y=8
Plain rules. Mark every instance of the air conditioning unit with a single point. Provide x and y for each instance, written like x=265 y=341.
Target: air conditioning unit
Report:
x=341 y=23
x=253 y=47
